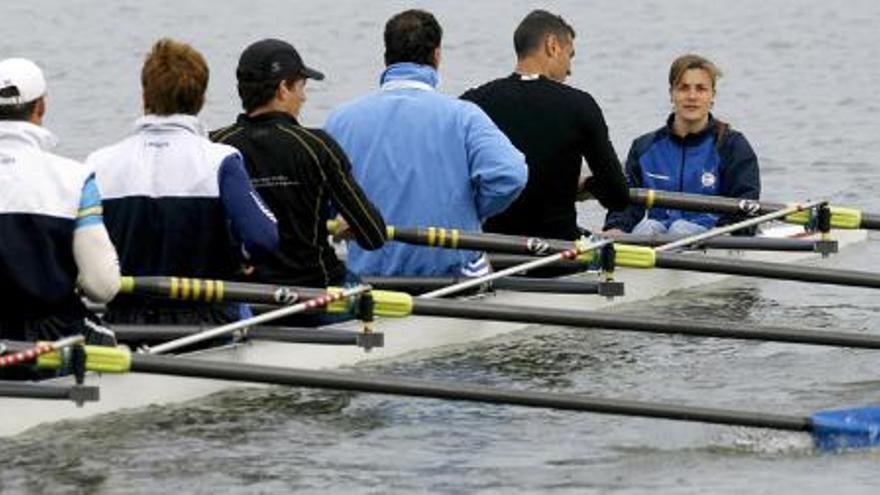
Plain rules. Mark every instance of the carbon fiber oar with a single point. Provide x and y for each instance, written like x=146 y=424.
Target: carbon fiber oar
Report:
x=841 y=217
x=830 y=430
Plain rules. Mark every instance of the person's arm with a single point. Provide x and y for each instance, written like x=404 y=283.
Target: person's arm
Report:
x=607 y=184
x=347 y=197
x=740 y=176
x=627 y=218
x=93 y=252
x=498 y=170
x=252 y=221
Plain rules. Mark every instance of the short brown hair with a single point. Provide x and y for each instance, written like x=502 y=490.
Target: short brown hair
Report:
x=174 y=79
x=691 y=61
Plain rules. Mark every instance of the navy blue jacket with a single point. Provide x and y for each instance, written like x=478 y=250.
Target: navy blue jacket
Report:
x=716 y=161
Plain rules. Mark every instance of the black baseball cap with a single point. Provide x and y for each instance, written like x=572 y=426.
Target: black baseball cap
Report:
x=272 y=59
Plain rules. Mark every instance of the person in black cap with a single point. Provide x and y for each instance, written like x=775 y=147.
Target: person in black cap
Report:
x=301 y=173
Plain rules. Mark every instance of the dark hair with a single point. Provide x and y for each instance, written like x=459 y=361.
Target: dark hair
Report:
x=174 y=78
x=255 y=94
x=530 y=33
x=22 y=111
x=412 y=36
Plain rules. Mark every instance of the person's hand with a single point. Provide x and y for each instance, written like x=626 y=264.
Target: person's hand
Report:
x=613 y=233
x=343 y=231
x=583 y=190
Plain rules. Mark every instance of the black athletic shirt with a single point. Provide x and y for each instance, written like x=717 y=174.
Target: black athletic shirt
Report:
x=555 y=126
x=299 y=173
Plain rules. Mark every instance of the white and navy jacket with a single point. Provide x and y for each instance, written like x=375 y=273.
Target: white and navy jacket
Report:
x=40 y=200
x=177 y=204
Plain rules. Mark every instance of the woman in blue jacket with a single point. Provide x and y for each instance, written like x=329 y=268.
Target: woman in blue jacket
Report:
x=692 y=153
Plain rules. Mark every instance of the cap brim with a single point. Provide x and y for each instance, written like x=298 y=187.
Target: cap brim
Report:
x=312 y=74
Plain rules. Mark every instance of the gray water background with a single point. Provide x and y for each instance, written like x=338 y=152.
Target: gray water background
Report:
x=799 y=81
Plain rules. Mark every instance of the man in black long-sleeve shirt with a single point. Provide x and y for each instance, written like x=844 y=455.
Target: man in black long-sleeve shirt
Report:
x=557 y=127
x=300 y=173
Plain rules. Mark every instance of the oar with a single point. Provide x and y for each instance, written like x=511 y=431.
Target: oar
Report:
x=256 y=320
x=643 y=257
x=417 y=285
x=726 y=229
x=579 y=249
x=841 y=217
x=502 y=243
x=733 y=243
x=830 y=430
x=291 y=335
x=399 y=304
x=27 y=390
x=592 y=320
x=31 y=353
x=762 y=269
x=197 y=290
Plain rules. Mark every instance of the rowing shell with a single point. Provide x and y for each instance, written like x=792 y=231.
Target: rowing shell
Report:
x=406 y=335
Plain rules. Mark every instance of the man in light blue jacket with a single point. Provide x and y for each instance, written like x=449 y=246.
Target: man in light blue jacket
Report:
x=425 y=159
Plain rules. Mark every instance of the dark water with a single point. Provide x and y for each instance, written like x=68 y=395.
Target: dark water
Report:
x=799 y=80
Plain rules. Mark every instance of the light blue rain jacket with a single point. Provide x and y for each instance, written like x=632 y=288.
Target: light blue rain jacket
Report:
x=425 y=160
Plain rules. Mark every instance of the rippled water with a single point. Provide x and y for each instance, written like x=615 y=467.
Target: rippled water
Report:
x=799 y=81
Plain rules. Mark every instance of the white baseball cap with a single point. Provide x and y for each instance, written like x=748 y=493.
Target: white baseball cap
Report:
x=21 y=81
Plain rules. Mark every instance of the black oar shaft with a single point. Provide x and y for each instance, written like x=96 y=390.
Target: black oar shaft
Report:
x=199 y=290
x=870 y=221
x=326 y=336
x=762 y=269
x=852 y=218
x=501 y=261
x=424 y=284
x=588 y=319
x=724 y=242
x=46 y=391
x=178 y=366
x=701 y=203
x=500 y=243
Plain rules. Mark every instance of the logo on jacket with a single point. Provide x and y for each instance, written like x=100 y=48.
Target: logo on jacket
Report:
x=708 y=179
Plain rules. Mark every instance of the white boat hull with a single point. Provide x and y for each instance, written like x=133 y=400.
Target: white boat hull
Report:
x=402 y=336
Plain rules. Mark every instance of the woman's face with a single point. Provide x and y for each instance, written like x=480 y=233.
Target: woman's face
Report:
x=693 y=96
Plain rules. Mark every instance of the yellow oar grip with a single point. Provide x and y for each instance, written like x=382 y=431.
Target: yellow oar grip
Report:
x=183 y=289
x=634 y=256
x=386 y=303
x=332 y=226
x=98 y=358
x=650 y=196
x=841 y=217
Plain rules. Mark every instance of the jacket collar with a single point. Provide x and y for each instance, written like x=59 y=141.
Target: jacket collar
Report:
x=409 y=75
x=267 y=117
x=28 y=134
x=695 y=137
x=166 y=123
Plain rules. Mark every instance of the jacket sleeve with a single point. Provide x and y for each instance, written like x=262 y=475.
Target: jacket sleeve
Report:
x=740 y=177
x=498 y=170
x=348 y=198
x=626 y=219
x=252 y=221
x=607 y=184
x=93 y=252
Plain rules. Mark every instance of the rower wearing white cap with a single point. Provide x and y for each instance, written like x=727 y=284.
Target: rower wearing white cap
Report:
x=51 y=226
